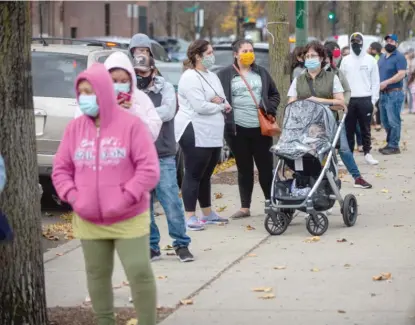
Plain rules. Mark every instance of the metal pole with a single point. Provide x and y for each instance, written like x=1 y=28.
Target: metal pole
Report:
x=333 y=26
x=40 y=19
x=301 y=22
x=132 y=19
x=238 y=16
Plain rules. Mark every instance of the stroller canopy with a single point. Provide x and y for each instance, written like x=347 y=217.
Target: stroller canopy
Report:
x=308 y=128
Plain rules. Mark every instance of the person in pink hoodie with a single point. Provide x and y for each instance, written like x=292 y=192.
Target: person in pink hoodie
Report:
x=105 y=168
x=124 y=80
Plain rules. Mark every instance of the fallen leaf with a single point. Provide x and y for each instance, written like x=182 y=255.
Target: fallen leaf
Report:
x=162 y=277
x=262 y=289
x=218 y=195
x=69 y=236
x=341 y=311
x=118 y=286
x=343 y=240
x=221 y=209
x=378 y=175
x=312 y=239
x=382 y=276
x=282 y=267
x=167 y=248
x=59 y=254
x=186 y=302
x=221 y=224
x=347 y=265
x=132 y=321
x=385 y=190
x=406 y=191
x=397 y=226
x=315 y=269
x=249 y=227
x=171 y=254
x=251 y=255
x=207 y=249
x=266 y=297
x=50 y=237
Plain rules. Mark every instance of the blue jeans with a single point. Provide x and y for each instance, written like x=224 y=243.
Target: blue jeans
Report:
x=167 y=192
x=347 y=156
x=390 y=115
x=358 y=135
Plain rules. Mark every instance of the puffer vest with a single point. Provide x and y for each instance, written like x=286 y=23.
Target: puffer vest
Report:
x=322 y=84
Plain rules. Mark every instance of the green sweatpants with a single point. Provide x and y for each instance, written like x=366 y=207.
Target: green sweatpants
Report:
x=134 y=256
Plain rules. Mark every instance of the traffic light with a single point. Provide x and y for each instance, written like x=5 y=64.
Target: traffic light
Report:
x=332 y=16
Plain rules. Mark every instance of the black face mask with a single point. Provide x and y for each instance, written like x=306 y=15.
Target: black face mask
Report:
x=357 y=48
x=390 y=48
x=144 y=82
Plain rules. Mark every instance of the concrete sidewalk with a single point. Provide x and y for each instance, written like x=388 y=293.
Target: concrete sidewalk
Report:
x=232 y=260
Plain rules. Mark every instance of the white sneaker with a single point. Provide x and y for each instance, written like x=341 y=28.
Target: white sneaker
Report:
x=370 y=160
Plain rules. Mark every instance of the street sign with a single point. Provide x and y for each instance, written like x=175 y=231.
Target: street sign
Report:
x=191 y=9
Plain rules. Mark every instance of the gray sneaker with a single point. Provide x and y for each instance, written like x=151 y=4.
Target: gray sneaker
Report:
x=194 y=224
x=212 y=219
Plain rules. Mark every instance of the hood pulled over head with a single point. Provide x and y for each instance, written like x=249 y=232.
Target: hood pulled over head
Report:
x=101 y=82
x=140 y=40
x=119 y=60
x=356 y=44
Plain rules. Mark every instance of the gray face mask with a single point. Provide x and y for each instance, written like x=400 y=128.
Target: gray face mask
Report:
x=208 y=61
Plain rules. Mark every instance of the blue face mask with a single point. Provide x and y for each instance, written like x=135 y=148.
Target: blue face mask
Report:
x=122 y=87
x=312 y=64
x=88 y=105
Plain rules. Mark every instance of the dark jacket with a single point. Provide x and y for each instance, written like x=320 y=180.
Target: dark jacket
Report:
x=270 y=95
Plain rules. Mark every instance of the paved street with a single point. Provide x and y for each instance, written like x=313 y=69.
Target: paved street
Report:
x=323 y=282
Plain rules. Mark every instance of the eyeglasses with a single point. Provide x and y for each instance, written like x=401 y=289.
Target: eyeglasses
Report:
x=139 y=50
x=311 y=56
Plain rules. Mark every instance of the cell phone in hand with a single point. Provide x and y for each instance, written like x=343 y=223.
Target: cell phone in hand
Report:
x=124 y=97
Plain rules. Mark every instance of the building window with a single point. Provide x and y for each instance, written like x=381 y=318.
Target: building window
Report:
x=142 y=19
x=74 y=32
x=107 y=19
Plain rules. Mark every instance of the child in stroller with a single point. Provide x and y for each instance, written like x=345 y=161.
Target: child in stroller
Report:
x=306 y=146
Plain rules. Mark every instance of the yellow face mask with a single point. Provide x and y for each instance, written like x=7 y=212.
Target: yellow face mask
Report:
x=247 y=58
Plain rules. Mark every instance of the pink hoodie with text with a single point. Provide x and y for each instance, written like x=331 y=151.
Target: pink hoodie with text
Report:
x=106 y=173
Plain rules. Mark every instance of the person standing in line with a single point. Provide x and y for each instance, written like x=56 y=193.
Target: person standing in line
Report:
x=105 y=168
x=297 y=62
x=345 y=51
x=409 y=56
x=123 y=76
x=163 y=95
x=362 y=73
x=199 y=126
x=336 y=52
x=375 y=50
x=392 y=70
x=243 y=132
x=328 y=90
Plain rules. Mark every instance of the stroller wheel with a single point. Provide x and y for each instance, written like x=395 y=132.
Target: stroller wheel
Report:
x=276 y=223
x=349 y=210
x=317 y=224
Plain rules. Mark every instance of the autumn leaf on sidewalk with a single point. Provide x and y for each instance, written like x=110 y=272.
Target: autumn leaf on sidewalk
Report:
x=343 y=240
x=221 y=209
x=249 y=227
x=262 y=289
x=167 y=248
x=186 y=302
x=162 y=277
x=282 y=267
x=382 y=276
x=312 y=239
x=218 y=195
x=385 y=190
x=132 y=321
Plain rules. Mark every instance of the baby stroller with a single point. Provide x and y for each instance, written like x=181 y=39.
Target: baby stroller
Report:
x=307 y=147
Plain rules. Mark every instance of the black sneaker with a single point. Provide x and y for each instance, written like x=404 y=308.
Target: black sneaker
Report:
x=384 y=148
x=154 y=255
x=391 y=151
x=184 y=254
x=361 y=183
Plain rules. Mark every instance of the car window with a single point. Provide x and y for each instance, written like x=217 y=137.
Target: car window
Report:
x=54 y=74
x=159 y=53
x=171 y=75
x=224 y=57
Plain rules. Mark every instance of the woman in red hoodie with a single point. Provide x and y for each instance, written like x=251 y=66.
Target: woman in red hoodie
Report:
x=105 y=167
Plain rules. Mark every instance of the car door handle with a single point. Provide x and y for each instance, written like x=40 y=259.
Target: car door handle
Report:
x=40 y=112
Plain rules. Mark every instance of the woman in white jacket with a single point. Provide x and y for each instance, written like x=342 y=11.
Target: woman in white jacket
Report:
x=122 y=72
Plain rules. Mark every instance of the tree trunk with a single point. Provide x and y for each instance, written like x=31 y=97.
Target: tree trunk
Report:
x=279 y=51
x=22 y=282
x=169 y=18
x=376 y=8
x=355 y=17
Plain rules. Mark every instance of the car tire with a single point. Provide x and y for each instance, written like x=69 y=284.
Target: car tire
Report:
x=179 y=166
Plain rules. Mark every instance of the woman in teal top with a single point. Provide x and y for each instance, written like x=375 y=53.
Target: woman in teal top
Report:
x=242 y=129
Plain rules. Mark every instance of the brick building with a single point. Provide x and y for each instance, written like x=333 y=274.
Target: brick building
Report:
x=77 y=19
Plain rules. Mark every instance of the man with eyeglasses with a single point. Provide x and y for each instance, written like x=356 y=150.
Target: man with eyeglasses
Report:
x=362 y=73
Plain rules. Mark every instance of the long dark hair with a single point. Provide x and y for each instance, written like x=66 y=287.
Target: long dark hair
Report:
x=411 y=78
x=294 y=63
x=197 y=47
